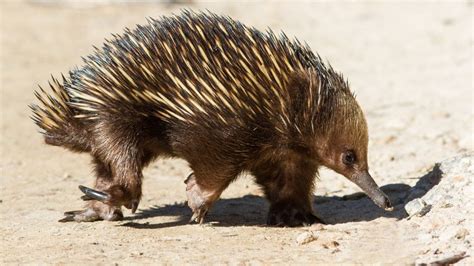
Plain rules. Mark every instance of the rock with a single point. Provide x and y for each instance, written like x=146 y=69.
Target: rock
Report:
x=449 y=260
x=417 y=207
x=448 y=184
x=446 y=207
x=305 y=238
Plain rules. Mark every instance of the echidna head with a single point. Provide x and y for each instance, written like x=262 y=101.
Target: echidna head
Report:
x=344 y=148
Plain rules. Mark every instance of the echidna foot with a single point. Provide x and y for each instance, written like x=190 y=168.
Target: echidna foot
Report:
x=291 y=215
x=95 y=211
x=198 y=200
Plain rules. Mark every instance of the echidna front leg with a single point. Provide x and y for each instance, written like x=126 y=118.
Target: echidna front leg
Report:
x=288 y=186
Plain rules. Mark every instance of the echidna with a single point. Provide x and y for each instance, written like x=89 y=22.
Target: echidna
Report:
x=223 y=96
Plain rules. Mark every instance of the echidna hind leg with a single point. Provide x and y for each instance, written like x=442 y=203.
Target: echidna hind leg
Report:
x=197 y=199
x=201 y=196
x=96 y=210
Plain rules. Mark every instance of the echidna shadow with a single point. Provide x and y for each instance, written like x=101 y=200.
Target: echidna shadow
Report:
x=250 y=210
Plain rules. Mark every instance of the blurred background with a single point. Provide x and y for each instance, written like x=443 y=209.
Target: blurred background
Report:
x=409 y=63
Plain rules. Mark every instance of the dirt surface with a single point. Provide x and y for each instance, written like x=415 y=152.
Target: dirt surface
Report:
x=410 y=65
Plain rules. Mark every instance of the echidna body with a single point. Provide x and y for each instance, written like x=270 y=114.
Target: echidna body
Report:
x=225 y=97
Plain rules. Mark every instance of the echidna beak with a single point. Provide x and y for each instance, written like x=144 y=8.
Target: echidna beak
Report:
x=92 y=194
x=368 y=185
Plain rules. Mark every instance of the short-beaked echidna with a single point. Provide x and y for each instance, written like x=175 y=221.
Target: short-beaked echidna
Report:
x=225 y=97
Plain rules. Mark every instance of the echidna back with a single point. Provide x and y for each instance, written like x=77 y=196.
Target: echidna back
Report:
x=189 y=67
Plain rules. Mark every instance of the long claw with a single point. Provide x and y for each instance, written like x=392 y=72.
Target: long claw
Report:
x=198 y=216
x=134 y=206
x=201 y=217
x=67 y=218
x=86 y=198
x=193 y=218
x=93 y=194
x=69 y=213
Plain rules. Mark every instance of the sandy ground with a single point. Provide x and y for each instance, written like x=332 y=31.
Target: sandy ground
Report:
x=409 y=63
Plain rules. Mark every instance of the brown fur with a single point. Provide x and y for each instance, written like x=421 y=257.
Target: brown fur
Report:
x=150 y=94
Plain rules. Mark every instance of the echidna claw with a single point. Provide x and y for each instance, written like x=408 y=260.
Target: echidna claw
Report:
x=69 y=216
x=69 y=213
x=193 y=218
x=199 y=215
x=92 y=194
x=86 y=198
x=87 y=215
x=134 y=206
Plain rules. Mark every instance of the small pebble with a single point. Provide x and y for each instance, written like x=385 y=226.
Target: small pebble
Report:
x=317 y=227
x=331 y=245
x=417 y=207
x=462 y=233
x=305 y=238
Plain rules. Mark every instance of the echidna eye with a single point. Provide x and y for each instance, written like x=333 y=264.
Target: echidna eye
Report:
x=349 y=158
